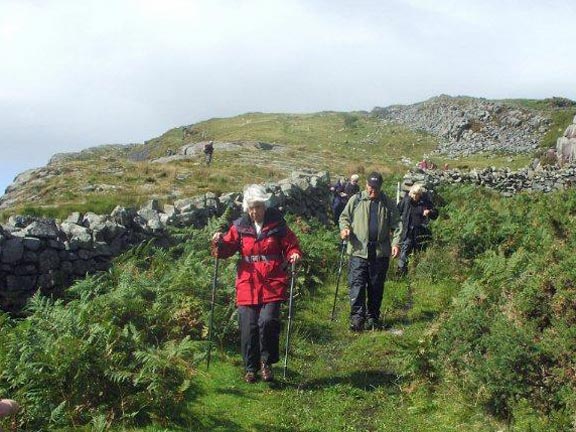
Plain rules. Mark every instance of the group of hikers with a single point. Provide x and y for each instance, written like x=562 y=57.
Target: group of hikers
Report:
x=373 y=228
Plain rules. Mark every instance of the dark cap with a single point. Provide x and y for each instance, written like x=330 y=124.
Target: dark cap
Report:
x=375 y=180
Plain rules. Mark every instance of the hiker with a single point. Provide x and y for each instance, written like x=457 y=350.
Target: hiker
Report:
x=337 y=199
x=208 y=151
x=266 y=244
x=367 y=222
x=352 y=187
x=417 y=210
x=342 y=192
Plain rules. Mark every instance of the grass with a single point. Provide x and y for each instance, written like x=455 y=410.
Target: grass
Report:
x=339 y=142
x=338 y=380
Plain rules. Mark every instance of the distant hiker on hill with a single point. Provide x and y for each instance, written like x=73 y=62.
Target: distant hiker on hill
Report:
x=266 y=244
x=342 y=191
x=208 y=152
x=417 y=210
x=367 y=222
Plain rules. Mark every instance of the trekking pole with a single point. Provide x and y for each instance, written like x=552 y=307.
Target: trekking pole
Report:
x=290 y=315
x=212 y=303
x=340 y=265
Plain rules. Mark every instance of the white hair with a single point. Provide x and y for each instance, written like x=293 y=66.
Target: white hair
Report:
x=354 y=177
x=416 y=189
x=253 y=194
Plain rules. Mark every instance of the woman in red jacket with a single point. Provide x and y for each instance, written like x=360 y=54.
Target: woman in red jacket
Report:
x=266 y=244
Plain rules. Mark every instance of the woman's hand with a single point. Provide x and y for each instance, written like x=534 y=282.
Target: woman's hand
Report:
x=295 y=257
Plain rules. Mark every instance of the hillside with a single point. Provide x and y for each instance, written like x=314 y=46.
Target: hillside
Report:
x=482 y=337
x=262 y=147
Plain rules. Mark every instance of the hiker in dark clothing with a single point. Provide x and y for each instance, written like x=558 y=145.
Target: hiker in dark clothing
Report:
x=342 y=191
x=352 y=187
x=208 y=151
x=416 y=210
x=367 y=222
x=338 y=202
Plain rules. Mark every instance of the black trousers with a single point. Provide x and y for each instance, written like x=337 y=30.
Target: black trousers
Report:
x=366 y=280
x=260 y=334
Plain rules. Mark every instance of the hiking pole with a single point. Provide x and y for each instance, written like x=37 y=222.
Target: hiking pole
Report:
x=212 y=302
x=290 y=316
x=340 y=265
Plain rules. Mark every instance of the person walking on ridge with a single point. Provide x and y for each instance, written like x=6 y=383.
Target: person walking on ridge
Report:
x=367 y=222
x=208 y=152
x=266 y=244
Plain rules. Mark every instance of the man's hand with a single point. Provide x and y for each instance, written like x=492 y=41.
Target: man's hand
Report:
x=345 y=233
x=395 y=251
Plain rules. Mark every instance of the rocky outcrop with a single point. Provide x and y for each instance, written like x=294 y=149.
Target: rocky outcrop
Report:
x=467 y=125
x=47 y=256
x=566 y=144
x=193 y=149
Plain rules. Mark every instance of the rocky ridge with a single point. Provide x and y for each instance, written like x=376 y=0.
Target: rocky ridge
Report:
x=467 y=126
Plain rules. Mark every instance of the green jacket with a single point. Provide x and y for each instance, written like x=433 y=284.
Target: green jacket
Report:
x=355 y=217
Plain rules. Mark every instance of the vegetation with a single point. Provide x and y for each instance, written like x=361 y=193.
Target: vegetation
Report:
x=488 y=343
x=482 y=333
x=339 y=142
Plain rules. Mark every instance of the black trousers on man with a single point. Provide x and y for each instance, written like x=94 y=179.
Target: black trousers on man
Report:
x=366 y=280
x=260 y=334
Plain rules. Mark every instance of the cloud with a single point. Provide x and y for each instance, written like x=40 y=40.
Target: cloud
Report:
x=77 y=74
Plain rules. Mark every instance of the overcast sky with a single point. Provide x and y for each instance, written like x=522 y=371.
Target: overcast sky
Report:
x=79 y=73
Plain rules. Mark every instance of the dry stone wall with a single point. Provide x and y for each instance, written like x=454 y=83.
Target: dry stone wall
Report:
x=45 y=255
x=505 y=181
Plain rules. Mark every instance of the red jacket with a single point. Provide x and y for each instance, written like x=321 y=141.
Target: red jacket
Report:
x=262 y=276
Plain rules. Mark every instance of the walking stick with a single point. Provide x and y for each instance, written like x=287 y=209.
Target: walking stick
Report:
x=290 y=316
x=340 y=265
x=212 y=302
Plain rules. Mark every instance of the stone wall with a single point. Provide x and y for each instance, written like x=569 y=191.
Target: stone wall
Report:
x=505 y=181
x=47 y=255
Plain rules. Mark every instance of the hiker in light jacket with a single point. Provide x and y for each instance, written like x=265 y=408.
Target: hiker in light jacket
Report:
x=371 y=224
x=266 y=244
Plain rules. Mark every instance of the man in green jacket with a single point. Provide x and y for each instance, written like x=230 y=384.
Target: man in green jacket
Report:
x=367 y=222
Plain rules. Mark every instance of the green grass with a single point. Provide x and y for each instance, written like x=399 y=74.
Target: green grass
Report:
x=342 y=143
x=341 y=381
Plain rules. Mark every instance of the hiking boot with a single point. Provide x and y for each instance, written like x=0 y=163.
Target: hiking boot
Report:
x=401 y=273
x=266 y=372
x=373 y=324
x=356 y=327
x=250 y=377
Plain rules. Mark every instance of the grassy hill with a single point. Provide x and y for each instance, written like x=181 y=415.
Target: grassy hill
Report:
x=483 y=330
x=343 y=143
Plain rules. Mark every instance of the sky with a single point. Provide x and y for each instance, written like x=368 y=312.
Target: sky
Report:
x=80 y=73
